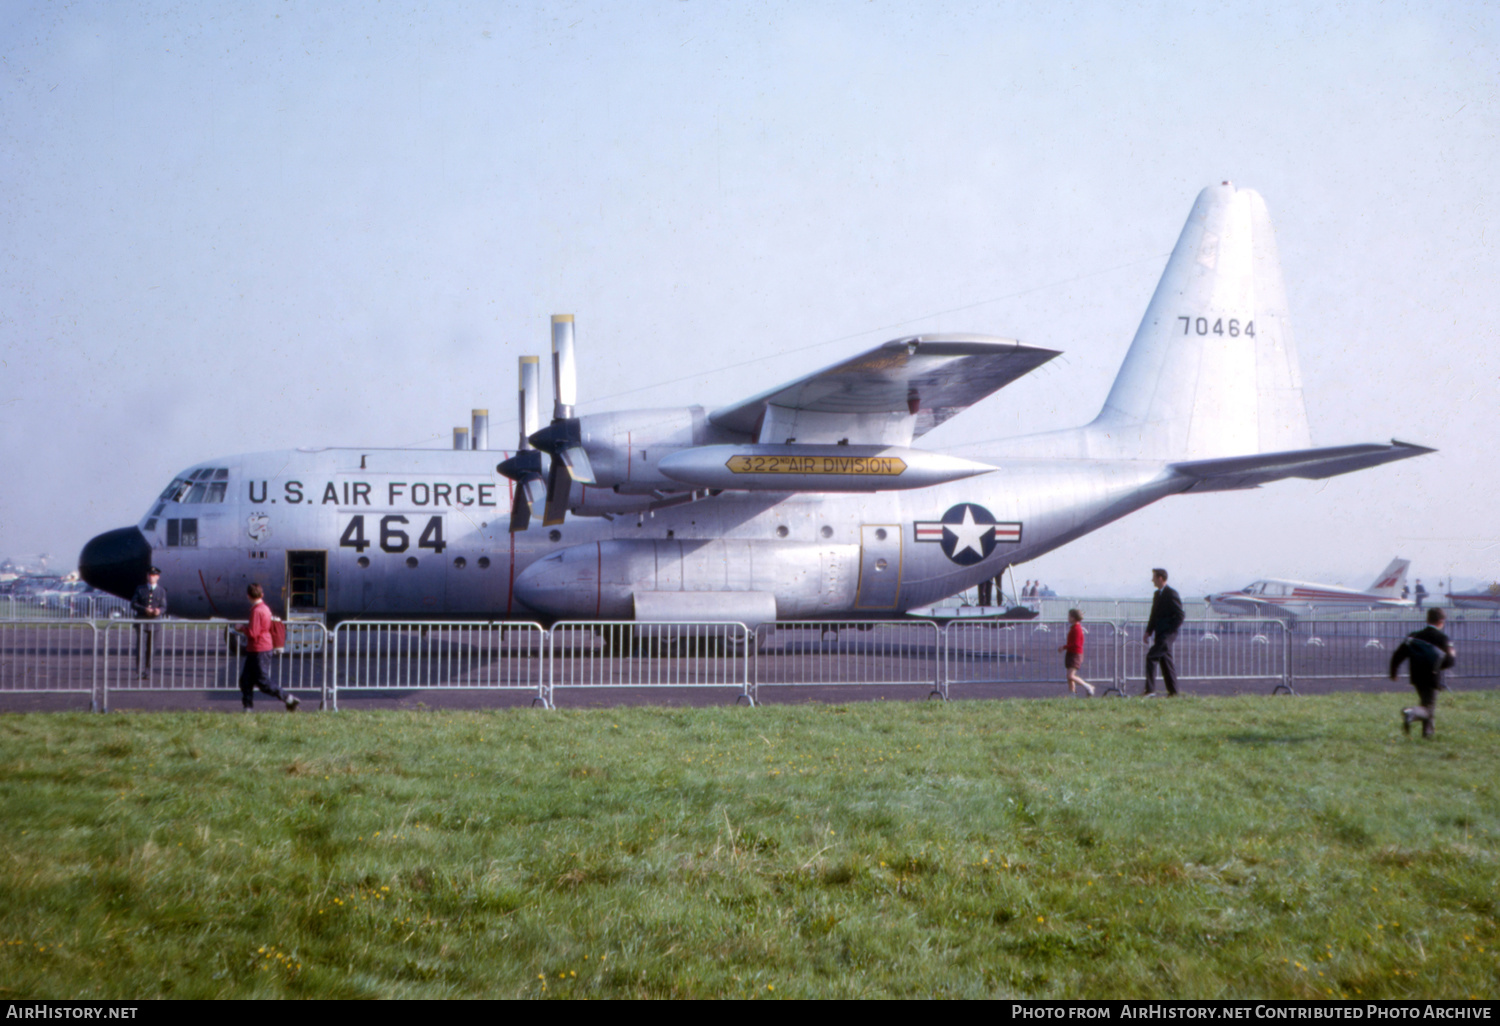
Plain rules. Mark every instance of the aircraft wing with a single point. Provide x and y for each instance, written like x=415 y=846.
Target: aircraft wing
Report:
x=924 y=379
x=1254 y=471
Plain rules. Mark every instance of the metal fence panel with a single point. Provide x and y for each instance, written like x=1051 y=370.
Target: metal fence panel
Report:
x=1026 y=651
x=385 y=655
x=616 y=654
x=850 y=652
x=194 y=655
x=47 y=657
x=1213 y=650
x=69 y=607
x=1343 y=648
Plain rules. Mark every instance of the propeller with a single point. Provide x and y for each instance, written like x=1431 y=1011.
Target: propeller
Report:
x=527 y=468
x=563 y=438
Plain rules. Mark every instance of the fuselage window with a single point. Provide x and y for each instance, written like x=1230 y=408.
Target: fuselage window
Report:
x=182 y=532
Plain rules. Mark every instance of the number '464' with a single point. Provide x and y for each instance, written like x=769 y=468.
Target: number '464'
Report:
x=392 y=536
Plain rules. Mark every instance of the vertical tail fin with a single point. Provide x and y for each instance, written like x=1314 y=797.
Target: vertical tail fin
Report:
x=1212 y=371
x=1391 y=579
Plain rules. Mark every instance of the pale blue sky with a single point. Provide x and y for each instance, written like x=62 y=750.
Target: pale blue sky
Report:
x=279 y=224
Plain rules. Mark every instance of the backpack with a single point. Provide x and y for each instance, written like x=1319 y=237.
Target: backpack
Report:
x=278 y=635
x=1424 y=654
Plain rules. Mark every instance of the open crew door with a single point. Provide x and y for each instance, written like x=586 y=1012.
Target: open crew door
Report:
x=306 y=581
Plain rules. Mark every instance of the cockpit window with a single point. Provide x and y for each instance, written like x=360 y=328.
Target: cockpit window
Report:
x=206 y=484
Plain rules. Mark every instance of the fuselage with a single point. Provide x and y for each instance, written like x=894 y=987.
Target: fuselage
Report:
x=404 y=534
x=1479 y=598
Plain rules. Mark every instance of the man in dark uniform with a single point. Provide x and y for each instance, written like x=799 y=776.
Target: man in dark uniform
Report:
x=1166 y=620
x=1430 y=653
x=149 y=603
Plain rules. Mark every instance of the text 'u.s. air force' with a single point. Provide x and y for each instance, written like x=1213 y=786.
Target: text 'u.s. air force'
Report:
x=402 y=494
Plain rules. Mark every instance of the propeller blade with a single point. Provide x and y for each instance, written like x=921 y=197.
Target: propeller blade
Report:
x=559 y=488
x=520 y=510
x=530 y=400
x=564 y=367
x=578 y=464
x=527 y=469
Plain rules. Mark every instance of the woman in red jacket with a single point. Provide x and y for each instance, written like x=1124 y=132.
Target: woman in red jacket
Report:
x=258 y=647
x=1073 y=659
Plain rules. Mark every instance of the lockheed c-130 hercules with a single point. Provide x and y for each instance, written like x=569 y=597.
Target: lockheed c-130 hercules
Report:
x=804 y=502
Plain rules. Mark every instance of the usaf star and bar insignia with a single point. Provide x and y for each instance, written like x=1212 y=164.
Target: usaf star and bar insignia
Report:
x=968 y=533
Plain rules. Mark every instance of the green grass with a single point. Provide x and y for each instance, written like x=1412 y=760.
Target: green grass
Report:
x=1209 y=848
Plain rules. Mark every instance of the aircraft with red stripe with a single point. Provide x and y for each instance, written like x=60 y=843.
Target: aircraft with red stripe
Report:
x=1282 y=599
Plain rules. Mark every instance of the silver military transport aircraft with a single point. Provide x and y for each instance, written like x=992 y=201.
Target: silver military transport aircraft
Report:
x=804 y=502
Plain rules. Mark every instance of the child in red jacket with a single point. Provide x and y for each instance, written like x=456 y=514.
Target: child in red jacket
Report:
x=1073 y=659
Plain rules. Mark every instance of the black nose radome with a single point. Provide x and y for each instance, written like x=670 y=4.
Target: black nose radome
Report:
x=116 y=561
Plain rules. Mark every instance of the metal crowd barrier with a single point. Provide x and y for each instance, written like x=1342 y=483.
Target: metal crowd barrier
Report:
x=79 y=607
x=42 y=657
x=1214 y=650
x=97 y=658
x=850 y=652
x=1322 y=649
x=615 y=654
x=373 y=655
x=195 y=655
x=1026 y=651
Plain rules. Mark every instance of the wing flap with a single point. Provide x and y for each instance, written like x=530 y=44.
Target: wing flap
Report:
x=1254 y=471
x=915 y=382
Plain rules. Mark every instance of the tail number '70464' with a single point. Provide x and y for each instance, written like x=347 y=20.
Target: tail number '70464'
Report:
x=1217 y=326
x=393 y=534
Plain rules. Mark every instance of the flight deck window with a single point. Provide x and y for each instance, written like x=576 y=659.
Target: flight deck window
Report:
x=206 y=484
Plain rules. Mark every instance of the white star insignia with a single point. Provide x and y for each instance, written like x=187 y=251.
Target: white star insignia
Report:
x=969 y=534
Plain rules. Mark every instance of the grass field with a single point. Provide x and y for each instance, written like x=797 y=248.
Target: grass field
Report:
x=1244 y=847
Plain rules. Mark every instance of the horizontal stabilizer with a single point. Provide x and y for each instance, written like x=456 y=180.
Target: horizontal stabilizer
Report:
x=1254 y=471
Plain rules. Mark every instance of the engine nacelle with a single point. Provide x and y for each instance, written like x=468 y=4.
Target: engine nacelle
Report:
x=626 y=448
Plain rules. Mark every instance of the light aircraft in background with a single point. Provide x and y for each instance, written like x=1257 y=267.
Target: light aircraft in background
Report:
x=808 y=501
x=1487 y=597
x=1280 y=599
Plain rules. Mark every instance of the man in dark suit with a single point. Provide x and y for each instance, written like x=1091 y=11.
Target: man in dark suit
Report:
x=150 y=604
x=1166 y=621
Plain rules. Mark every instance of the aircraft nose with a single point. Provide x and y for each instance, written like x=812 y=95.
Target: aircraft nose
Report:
x=116 y=561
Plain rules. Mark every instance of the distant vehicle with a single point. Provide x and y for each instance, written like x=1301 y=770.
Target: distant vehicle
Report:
x=1487 y=597
x=1292 y=599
